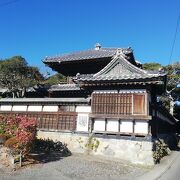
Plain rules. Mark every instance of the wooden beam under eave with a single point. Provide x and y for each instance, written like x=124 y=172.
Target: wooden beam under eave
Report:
x=102 y=84
x=124 y=117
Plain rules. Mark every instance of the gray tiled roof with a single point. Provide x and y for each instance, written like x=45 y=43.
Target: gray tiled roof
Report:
x=44 y=100
x=120 y=69
x=87 y=54
x=118 y=77
x=65 y=87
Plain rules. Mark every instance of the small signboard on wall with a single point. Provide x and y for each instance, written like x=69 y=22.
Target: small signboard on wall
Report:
x=82 y=122
x=83 y=118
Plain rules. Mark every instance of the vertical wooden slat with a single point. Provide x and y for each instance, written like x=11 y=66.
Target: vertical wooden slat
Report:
x=97 y=103
x=121 y=103
x=103 y=102
x=100 y=103
x=93 y=103
x=130 y=99
x=106 y=105
x=125 y=104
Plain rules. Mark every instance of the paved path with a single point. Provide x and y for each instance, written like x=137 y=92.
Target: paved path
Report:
x=168 y=169
x=173 y=171
x=77 y=167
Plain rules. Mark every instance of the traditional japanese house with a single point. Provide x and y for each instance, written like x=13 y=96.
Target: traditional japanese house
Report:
x=107 y=96
x=122 y=96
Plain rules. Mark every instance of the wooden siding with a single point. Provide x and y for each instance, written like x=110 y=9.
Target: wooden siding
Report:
x=65 y=121
x=119 y=103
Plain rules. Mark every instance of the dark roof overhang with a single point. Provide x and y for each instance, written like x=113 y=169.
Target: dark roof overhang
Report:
x=85 y=62
x=87 y=66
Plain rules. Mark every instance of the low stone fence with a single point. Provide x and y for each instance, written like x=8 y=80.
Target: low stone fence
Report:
x=6 y=158
x=134 y=151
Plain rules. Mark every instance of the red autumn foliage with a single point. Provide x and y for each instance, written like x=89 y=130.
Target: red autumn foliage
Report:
x=22 y=128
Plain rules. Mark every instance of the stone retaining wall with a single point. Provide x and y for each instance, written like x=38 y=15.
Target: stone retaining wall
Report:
x=134 y=151
x=5 y=156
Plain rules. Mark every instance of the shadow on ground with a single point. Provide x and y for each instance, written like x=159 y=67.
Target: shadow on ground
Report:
x=44 y=157
x=46 y=150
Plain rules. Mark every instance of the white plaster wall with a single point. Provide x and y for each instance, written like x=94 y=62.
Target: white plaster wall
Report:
x=35 y=108
x=83 y=109
x=50 y=108
x=126 y=126
x=82 y=122
x=112 y=125
x=19 y=108
x=5 y=107
x=141 y=127
x=99 y=125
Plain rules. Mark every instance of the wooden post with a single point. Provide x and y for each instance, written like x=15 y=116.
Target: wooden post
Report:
x=57 y=117
x=149 y=128
x=119 y=123
x=41 y=116
x=92 y=124
x=133 y=134
x=20 y=159
x=106 y=124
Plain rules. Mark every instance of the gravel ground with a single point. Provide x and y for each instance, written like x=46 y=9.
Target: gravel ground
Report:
x=76 y=167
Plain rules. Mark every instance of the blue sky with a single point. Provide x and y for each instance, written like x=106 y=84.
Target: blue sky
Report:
x=38 y=28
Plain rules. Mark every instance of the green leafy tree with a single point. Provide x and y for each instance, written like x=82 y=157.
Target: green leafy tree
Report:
x=152 y=66
x=56 y=79
x=16 y=76
x=173 y=89
x=172 y=93
x=173 y=75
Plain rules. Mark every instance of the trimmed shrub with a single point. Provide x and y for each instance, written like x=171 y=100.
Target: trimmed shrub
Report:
x=11 y=143
x=21 y=129
x=3 y=124
x=3 y=138
x=48 y=146
x=160 y=150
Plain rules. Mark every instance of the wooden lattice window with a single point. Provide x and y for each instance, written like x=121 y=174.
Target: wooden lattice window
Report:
x=118 y=103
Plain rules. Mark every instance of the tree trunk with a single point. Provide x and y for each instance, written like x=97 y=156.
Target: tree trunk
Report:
x=13 y=93
x=172 y=107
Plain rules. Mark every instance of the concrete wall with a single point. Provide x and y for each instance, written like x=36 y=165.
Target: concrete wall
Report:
x=137 y=152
